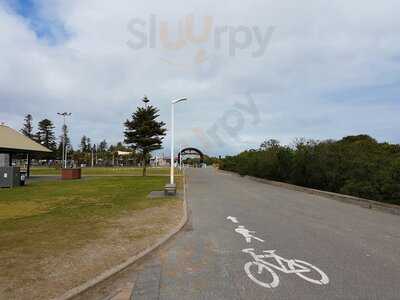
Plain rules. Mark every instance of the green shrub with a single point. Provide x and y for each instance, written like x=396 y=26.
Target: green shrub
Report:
x=354 y=165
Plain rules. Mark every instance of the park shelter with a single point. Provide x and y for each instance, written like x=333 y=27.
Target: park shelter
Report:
x=119 y=154
x=13 y=142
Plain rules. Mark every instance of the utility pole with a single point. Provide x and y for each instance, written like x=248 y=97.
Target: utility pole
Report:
x=64 y=150
x=92 y=157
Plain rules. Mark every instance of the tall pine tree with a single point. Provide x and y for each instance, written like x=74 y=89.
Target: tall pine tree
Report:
x=144 y=133
x=64 y=137
x=45 y=134
x=83 y=145
x=27 y=128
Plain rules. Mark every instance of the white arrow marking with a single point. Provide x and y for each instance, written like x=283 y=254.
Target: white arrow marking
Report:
x=233 y=219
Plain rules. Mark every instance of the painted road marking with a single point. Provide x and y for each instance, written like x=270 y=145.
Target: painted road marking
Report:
x=255 y=268
x=248 y=235
x=262 y=271
x=233 y=219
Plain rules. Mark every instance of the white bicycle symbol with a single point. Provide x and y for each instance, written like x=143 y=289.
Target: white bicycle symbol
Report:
x=301 y=268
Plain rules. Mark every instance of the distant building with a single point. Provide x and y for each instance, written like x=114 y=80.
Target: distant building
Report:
x=159 y=161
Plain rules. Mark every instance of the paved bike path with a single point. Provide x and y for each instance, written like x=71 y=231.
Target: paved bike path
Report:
x=357 y=249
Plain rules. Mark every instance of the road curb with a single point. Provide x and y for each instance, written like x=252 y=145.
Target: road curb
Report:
x=107 y=274
x=365 y=203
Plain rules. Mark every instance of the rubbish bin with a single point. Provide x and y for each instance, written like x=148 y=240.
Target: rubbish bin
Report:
x=22 y=178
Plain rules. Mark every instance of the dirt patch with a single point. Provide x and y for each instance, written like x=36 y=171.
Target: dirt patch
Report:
x=24 y=274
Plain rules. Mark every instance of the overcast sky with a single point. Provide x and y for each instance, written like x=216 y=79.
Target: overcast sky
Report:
x=252 y=70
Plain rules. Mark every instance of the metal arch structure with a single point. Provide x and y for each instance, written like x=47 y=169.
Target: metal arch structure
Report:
x=189 y=151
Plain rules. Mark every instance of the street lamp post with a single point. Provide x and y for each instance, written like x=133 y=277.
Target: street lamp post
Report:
x=180 y=157
x=66 y=154
x=171 y=188
x=64 y=157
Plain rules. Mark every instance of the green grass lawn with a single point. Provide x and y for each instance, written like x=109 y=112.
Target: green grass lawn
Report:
x=105 y=171
x=69 y=211
x=44 y=223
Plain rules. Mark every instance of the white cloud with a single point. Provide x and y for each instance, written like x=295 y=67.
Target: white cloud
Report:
x=318 y=49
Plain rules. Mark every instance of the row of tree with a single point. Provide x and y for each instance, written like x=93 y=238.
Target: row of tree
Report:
x=86 y=153
x=45 y=132
x=143 y=134
x=354 y=165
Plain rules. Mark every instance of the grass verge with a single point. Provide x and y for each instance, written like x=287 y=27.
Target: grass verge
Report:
x=56 y=235
x=105 y=171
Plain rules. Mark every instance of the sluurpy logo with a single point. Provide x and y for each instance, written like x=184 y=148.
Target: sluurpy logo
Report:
x=153 y=33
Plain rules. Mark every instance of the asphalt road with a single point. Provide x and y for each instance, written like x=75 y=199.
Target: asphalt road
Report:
x=356 y=250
